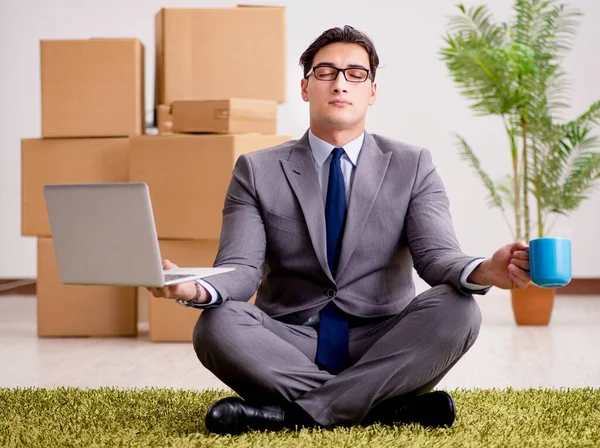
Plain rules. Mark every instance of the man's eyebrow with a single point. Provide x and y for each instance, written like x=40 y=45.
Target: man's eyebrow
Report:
x=331 y=64
x=357 y=66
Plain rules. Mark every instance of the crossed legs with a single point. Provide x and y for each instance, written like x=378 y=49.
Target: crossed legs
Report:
x=268 y=362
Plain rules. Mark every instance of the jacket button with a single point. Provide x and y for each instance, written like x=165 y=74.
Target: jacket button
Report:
x=331 y=293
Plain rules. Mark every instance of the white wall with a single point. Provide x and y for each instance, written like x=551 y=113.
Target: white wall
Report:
x=417 y=101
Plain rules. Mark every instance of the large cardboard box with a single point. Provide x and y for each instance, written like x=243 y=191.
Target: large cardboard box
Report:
x=188 y=177
x=92 y=88
x=73 y=310
x=227 y=116
x=167 y=320
x=69 y=161
x=220 y=53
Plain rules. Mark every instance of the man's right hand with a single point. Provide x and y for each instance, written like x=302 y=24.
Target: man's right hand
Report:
x=183 y=291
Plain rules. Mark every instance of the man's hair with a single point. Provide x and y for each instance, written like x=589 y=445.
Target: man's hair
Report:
x=348 y=35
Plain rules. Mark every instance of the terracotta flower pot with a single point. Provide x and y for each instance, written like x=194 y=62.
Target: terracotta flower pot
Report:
x=533 y=305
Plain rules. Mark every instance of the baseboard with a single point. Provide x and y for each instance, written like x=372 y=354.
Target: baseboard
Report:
x=577 y=286
x=581 y=286
x=17 y=287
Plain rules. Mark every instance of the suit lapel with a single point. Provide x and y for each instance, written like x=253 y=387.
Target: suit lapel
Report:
x=303 y=178
x=369 y=174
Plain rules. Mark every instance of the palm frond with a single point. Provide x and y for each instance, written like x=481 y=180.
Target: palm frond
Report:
x=557 y=92
x=506 y=191
x=590 y=116
x=475 y=23
x=477 y=62
x=583 y=172
x=548 y=30
x=571 y=169
x=466 y=153
x=546 y=27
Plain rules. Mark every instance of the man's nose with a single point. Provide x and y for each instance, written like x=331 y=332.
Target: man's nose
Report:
x=339 y=84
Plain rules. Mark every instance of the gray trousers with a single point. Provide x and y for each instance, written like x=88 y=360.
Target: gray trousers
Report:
x=266 y=361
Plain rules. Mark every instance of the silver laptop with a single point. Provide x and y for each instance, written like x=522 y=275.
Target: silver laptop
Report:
x=104 y=234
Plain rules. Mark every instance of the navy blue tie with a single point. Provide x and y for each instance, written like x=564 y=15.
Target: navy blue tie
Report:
x=332 y=346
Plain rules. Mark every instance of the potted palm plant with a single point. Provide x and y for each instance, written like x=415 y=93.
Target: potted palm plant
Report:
x=513 y=70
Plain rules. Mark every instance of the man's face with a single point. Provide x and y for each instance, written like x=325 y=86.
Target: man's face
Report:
x=339 y=104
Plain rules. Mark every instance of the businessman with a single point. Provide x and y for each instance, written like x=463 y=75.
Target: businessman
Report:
x=327 y=229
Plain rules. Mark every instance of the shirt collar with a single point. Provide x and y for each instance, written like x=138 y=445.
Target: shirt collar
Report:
x=321 y=149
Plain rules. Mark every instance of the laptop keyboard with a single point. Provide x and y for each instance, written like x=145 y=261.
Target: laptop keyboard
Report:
x=169 y=277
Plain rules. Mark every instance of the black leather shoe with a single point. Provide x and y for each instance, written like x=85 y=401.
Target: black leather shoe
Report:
x=233 y=415
x=431 y=410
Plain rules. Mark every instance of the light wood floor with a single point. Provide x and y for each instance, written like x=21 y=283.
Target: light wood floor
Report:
x=562 y=355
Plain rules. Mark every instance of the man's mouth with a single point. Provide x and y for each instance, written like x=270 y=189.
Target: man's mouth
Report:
x=339 y=102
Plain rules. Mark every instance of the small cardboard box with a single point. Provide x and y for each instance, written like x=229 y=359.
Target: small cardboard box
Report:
x=164 y=119
x=188 y=177
x=68 y=161
x=92 y=87
x=220 y=53
x=228 y=116
x=73 y=310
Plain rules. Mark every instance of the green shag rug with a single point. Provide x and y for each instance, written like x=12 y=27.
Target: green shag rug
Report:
x=159 y=417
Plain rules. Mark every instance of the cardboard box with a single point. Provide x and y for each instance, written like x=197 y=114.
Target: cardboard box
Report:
x=220 y=53
x=58 y=161
x=188 y=177
x=167 y=320
x=164 y=119
x=73 y=310
x=228 y=116
x=92 y=88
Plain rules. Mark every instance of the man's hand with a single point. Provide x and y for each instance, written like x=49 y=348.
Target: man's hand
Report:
x=184 y=291
x=506 y=269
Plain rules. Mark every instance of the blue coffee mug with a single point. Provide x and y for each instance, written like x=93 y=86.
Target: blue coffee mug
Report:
x=550 y=262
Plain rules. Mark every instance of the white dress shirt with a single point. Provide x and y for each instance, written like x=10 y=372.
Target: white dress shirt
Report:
x=322 y=154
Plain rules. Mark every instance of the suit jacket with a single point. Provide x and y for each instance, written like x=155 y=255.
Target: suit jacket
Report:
x=274 y=230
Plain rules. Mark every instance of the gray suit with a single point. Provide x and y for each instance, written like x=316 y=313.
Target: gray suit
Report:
x=274 y=231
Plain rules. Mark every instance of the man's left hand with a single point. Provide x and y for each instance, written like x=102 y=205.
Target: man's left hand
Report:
x=506 y=269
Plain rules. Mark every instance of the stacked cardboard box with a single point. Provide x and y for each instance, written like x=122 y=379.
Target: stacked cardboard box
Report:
x=72 y=310
x=220 y=74
x=220 y=53
x=92 y=102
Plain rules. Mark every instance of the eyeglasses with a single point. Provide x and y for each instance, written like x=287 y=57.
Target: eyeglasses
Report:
x=329 y=73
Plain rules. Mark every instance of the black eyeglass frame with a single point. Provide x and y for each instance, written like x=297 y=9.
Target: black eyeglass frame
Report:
x=343 y=70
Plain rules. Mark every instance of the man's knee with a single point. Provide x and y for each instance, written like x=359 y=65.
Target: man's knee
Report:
x=466 y=301
x=460 y=311
x=211 y=324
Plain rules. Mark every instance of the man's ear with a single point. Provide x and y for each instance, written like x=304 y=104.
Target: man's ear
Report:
x=373 y=94
x=304 y=89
